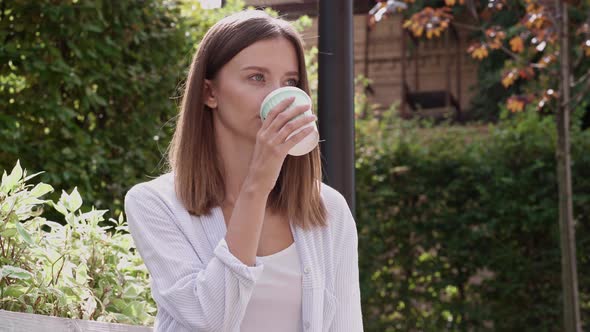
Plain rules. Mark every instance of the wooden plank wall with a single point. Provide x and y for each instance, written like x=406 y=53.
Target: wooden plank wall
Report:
x=384 y=61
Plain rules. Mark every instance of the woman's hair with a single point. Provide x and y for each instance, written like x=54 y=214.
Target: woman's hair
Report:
x=192 y=154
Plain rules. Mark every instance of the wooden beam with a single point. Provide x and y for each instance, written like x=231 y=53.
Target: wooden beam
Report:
x=18 y=321
x=310 y=8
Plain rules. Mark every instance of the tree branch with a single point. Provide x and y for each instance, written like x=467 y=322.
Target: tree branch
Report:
x=472 y=10
x=579 y=96
x=467 y=26
x=581 y=79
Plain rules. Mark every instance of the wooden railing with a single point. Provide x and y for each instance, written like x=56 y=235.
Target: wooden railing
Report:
x=21 y=322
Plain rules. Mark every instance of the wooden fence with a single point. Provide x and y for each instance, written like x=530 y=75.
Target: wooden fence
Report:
x=21 y=322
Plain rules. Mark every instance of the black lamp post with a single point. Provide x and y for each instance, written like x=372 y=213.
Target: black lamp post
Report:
x=336 y=95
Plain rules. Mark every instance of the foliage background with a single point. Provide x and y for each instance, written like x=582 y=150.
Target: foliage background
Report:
x=457 y=225
x=86 y=91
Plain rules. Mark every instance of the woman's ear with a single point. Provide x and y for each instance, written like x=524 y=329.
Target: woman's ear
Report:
x=209 y=94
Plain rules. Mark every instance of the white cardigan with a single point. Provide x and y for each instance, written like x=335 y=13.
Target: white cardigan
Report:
x=198 y=285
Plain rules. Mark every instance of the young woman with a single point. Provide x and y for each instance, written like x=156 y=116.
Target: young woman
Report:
x=239 y=235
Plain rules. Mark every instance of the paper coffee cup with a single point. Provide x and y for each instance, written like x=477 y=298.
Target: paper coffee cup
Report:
x=301 y=98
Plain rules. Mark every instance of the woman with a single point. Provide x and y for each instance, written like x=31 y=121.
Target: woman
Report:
x=240 y=236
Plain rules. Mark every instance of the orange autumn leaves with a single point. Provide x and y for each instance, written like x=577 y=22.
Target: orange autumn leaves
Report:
x=517 y=44
x=584 y=30
x=512 y=75
x=494 y=40
x=517 y=103
x=429 y=21
x=535 y=27
x=530 y=42
x=495 y=37
x=478 y=50
x=451 y=3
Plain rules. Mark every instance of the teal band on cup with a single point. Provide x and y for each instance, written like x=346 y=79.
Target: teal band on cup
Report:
x=278 y=95
x=301 y=98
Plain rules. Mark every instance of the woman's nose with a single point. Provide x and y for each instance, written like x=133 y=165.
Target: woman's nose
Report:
x=276 y=85
x=272 y=87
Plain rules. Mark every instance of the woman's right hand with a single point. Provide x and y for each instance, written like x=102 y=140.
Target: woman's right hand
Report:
x=272 y=147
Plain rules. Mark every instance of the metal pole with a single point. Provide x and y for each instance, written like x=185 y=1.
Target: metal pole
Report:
x=569 y=274
x=449 y=64
x=336 y=95
x=403 y=69
x=459 y=55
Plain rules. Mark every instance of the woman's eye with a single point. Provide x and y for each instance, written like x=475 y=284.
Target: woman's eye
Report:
x=257 y=77
x=293 y=82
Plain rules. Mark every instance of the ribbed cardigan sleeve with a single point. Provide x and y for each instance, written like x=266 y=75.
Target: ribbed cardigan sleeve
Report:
x=200 y=297
x=348 y=316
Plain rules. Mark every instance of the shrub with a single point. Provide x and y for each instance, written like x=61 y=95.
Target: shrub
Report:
x=458 y=227
x=85 y=91
x=75 y=270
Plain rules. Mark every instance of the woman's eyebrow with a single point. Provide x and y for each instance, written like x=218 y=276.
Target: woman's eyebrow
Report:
x=263 y=69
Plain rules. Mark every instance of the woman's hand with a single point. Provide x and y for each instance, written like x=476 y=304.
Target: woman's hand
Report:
x=272 y=147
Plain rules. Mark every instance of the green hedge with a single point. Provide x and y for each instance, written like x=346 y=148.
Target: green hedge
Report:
x=459 y=227
x=85 y=91
x=89 y=89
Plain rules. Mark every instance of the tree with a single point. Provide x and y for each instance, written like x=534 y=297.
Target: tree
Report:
x=538 y=46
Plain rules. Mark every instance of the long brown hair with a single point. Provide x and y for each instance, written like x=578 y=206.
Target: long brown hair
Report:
x=198 y=175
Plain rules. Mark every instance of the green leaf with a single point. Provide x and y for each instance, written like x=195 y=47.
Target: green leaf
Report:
x=14 y=272
x=32 y=176
x=74 y=200
x=9 y=232
x=17 y=171
x=54 y=225
x=24 y=234
x=93 y=28
x=94 y=215
x=59 y=206
x=41 y=189
x=89 y=307
x=9 y=182
x=131 y=291
x=82 y=274
x=119 y=304
x=14 y=291
x=71 y=219
x=133 y=308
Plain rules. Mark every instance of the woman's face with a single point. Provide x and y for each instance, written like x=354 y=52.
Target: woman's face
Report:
x=237 y=91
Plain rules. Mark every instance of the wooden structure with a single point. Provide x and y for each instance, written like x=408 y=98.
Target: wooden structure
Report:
x=378 y=56
x=22 y=322
x=439 y=103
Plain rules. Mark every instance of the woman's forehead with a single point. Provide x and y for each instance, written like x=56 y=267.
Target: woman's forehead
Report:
x=270 y=54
